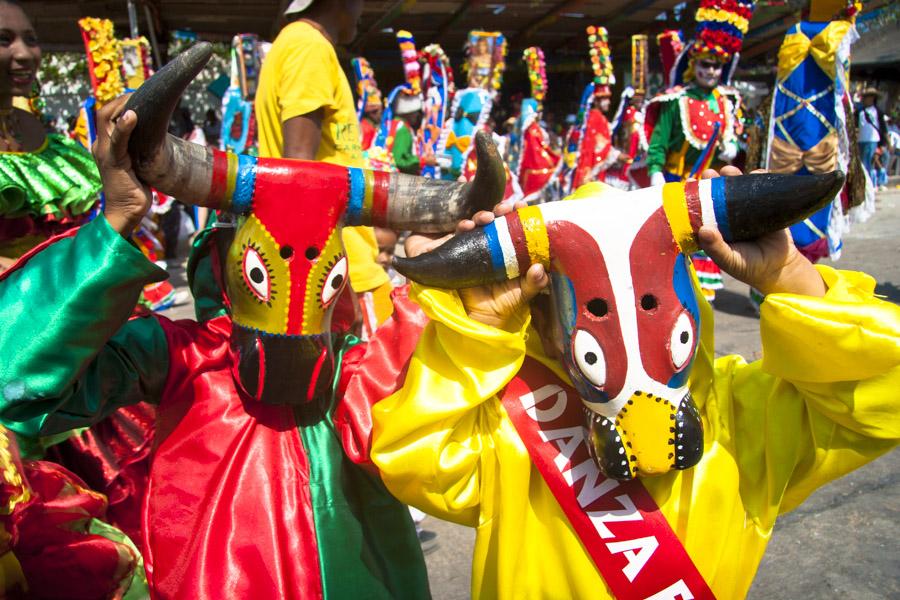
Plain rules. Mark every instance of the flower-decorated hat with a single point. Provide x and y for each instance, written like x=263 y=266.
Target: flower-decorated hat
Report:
x=721 y=26
x=537 y=73
x=601 y=62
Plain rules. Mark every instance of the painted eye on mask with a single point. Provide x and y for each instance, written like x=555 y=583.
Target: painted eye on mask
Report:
x=589 y=357
x=335 y=281
x=256 y=274
x=681 y=342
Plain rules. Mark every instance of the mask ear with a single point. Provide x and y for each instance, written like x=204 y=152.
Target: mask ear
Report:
x=499 y=251
x=745 y=207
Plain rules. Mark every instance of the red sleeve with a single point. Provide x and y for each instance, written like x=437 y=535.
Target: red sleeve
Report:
x=373 y=371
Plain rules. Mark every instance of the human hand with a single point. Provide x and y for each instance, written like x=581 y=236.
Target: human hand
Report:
x=127 y=199
x=6 y=263
x=496 y=303
x=770 y=263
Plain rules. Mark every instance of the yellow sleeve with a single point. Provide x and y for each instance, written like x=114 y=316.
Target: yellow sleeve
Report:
x=433 y=438
x=823 y=400
x=306 y=57
x=362 y=251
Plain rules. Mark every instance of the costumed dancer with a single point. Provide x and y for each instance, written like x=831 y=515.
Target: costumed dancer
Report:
x=438 y=89
x=50 y=522
x=263 y=403
x=589 y=149
x=370 y=111
x=238 y=118
x=532 y=161
x=628 y=124
x=471 y=107
x=406 y=108
x=593 y=439
x=697 y=118
x=810 y=110
x=369 y=104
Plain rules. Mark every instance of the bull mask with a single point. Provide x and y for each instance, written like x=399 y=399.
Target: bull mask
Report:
x=624 y=302
x=286 y=265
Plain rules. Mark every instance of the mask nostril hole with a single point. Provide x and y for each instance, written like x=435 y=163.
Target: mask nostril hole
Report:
x=597 y=307
x=312 y=253
x=648 y=302
x=286 y=252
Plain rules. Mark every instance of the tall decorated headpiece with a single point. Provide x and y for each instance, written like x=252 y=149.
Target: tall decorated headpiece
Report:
x=721 y=26
x=627 y=319
x=485 y=60
x=670 y=48
x=238 y=117
x=285 y=267
x=103 y=59
x=136 y=64
x=639 y=64
x=412 y=71
x=537 y=73
x=439 y=89
x=367 y=92
x=601 y=61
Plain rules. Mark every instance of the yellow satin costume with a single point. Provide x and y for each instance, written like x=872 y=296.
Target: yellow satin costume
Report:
x=822 y=402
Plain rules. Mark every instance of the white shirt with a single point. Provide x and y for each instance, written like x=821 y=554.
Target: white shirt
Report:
x=868 y=125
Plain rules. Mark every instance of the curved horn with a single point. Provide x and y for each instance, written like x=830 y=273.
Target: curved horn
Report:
x=744 y=207
x=502 y=250
x=760 y=203
x=432 y=205
x=171 y=165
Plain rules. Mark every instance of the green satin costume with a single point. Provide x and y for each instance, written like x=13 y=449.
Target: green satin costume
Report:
x=75 y=357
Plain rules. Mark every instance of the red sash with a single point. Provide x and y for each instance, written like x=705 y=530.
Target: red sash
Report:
x=629 y=540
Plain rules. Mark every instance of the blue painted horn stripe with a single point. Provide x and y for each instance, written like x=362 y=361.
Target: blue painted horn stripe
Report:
x=493 y=240
x=720 y=205
x=357 y=195
x=244 y=184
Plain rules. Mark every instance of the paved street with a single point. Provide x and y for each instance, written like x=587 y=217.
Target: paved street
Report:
x=843 y=541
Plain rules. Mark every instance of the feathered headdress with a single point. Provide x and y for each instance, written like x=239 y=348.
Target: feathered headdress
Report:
x=537 y=73
x=601 y=62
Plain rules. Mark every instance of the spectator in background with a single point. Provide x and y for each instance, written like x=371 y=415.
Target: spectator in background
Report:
x=305 y=109
x=872 y=131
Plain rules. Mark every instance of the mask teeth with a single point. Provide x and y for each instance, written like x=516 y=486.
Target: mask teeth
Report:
x=615 y=466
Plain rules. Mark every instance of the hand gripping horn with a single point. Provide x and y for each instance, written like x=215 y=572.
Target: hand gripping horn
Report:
x=742 y=208
x=198 y=175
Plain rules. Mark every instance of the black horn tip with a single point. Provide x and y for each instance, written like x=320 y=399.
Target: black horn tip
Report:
x=461 y=262
x=155 y=101
x=761 y=203
x=489 y=185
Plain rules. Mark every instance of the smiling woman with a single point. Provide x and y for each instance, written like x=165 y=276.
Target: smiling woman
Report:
x=48 y=183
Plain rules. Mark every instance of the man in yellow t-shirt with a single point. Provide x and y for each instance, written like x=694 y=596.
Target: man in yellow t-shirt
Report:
x=305 y=110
